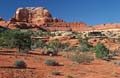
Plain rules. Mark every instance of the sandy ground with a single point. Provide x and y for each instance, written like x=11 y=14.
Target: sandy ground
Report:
x=38 y=69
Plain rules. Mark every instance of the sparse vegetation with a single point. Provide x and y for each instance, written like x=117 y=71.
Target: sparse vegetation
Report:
x=118 y=40
x=64 y=46
x=20 y=64
x=117 y=63
x=69 y=76
x=72 y=49
x=83 y=58
x=84 y=45
x=42 y=33
x=35 y=44
x=51 y=52
x=56 y=73
x=83 y=48
x=38 y=44
x=51 y=62
x=101 y=51
x=55 y=44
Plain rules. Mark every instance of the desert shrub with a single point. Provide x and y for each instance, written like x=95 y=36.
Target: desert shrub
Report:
x=16 y=39
x=51 y=51
x=116 y=52
x=25 y=50
x=118 y=40
x=64 y=46
x=73 y=36
x=67 y=54
x=51 y=62
x=42 y=33
x=85 y=46
x=71 y=49
x=101 y=51
x=6 y=39
x=59 y=34
x=2 y=28
x=20 y=64
x=117 y=63
x=77 y=49
x=55 y=44
x=55 y=73
x=69 y=76
x=82 y=58
x=38 y=44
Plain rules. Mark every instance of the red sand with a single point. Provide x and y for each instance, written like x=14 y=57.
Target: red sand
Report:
x=37 y=68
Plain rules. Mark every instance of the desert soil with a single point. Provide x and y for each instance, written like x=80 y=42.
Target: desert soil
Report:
x=36 y=67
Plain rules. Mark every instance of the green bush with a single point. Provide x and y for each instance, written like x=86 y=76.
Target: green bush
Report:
x=23 y=41
x=20 y=64
x=15 y=39
x=7 y=39
x=55 y=73
x=84 y=49
x=64 y=46
x=118 y=40
x=85 y=42
x=51 y=62
x=38 y=44
x=82 y=58
x=72 y=49
x=85 y=46
x=101 y=51
x=55 y=44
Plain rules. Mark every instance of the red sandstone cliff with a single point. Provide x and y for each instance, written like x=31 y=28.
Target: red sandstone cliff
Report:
x=41 y=18
x=106 y=26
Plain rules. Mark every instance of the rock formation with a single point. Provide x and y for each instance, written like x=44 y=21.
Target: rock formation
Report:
x=106 y=26
x=41 y=18
x=33 y=15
